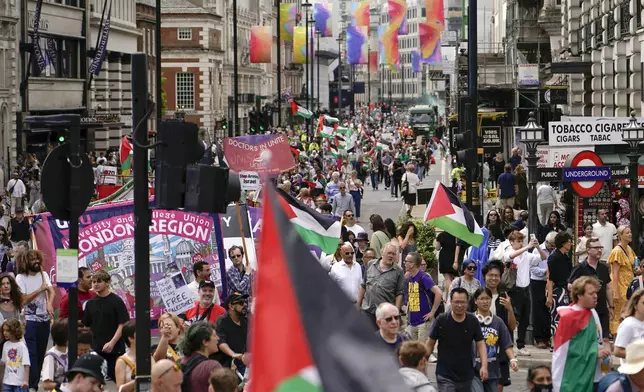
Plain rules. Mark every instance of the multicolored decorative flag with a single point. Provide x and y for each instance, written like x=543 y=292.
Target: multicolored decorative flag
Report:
x=435 y=13
x=322 y=17
x=373 y=62
x=299 y=45
x=436 y=58
x=429 y=38
x=397 y=10
x=261 y=40
x=390 y=43
x=446 y=211
x=381 y=45
x=288 y=16
x=360 y=14
x=357 y=48
x=126 y=153
x=296 y=352
x=415 y=62
x=574 y=359
x=301 y=111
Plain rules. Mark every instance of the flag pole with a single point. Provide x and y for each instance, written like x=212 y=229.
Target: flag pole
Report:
x=241 y=230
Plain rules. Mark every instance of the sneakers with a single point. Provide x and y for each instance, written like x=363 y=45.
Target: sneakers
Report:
x=523 y=352
x=432 y=359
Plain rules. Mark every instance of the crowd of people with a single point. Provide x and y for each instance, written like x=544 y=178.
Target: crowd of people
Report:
x=470 y=319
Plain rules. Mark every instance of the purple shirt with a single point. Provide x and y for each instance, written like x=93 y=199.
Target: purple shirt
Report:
x=419 y=297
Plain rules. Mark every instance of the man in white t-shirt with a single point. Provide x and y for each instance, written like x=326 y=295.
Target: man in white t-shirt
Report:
x=201 y=270
x=16 y=190
x=606 y=232
x=349 y=220
x=347 y=273
x=38 y=302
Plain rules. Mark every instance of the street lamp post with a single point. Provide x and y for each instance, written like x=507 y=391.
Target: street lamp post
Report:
x=633 y=134
x=532 y=135
x=307 y=77
x=312 y=73
x=318 y=35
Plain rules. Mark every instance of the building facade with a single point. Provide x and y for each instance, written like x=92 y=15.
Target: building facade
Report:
x=146 y=23
x=9 y=82
x=192 y=39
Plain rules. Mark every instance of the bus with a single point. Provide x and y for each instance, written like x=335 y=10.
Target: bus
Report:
x=423 y=119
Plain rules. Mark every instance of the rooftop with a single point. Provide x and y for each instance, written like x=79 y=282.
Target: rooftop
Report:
x=181 y=7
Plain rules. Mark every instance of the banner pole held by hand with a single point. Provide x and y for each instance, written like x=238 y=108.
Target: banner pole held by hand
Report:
x=241 y=230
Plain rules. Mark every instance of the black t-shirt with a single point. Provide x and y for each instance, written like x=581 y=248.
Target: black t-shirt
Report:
x=233 y=335
x=448 y=247
x=559 y=268
x=455 y=355
x=603 y=274
x=19 y=230
x=103 y=316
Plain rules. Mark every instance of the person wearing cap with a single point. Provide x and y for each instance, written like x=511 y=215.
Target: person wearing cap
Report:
x=362 y=242
x=630 y=376
x=166 y=376
x=205 y=308
x=105 y=315
x=232 y=330
x=87 y=375
x=201 y=271
x=238 y=276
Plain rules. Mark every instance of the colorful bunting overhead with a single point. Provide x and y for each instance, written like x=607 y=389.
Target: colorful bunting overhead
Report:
x=322 y=17
x=360 y=14
x=260 y=44
x=288 y=15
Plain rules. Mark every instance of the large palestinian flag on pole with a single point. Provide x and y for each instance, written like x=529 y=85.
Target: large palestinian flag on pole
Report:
x=574 y=359
x=307 y=335
x=447 y=212
x=315 y=229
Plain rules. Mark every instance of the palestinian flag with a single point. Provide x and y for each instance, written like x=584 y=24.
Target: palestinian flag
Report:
x=126 y=153
x=314 y=228
x=326 y=132
x=574 y=359
x=300 y=110
x=333 y=150
x=331 y=120
x=446 y=211
x=382 y=146
x=318 y=333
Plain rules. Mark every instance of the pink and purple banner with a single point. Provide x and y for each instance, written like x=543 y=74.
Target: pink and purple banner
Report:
x=178 y=239
x=322 y=17
x=360 y=14
x=397 y=10
x=415 y=62
x=430 y=48
x=261 y=41
x=357 y=48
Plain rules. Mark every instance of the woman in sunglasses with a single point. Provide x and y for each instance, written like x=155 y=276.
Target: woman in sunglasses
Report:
x=467 y=279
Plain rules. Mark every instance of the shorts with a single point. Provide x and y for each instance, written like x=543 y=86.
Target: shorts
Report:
x=505 y=379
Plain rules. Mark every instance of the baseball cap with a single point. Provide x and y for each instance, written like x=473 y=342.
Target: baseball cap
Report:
x=90 y=365
x=207 y=283
x=20 y=209
x=234 y=297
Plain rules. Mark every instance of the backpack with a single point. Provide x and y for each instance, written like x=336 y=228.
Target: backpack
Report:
x=58 y=378
x=129 y=364
x=609 y=378
x=187 y=369
x=509 y=277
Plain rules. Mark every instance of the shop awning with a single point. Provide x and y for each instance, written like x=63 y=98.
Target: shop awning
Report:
x=619 y=159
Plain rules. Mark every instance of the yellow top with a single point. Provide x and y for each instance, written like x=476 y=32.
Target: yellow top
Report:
x=624 y=260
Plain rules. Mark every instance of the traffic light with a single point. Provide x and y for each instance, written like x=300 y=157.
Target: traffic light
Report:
x=465 y=153
x=182 y=183
x=265 y=121
x=224 y=124
x=253 y=120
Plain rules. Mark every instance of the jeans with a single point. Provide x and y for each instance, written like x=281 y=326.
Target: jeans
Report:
x=374 y=180
x=420 y=171
x=356 y=201
x=447 y=385
x=36 y=338
x=395 y=185
x=372 y=319
x=387 y=179
x=487 y=386
x=13 y=388
x=521 y=300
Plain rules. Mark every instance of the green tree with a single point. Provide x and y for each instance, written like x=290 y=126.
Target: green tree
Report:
x=424 y=240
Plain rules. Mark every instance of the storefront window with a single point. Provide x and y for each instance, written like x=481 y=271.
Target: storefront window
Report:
x=73 y=3
x=60 y=57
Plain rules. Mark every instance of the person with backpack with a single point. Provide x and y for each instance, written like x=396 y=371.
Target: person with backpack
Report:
x=423 y=298
x=629 y=377
x=197 y=345
x=125 y=369
x=55 y=364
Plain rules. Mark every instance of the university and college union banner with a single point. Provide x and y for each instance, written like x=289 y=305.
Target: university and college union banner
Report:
x=178 y=239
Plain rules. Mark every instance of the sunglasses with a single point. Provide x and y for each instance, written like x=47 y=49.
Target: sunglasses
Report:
x=235 y=256
x=348 y=216
x=348 y=253
x=471 y=268
x=391 y=318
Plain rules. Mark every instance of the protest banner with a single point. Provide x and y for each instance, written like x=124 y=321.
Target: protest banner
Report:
x=232 y=234
x=249 y=181
x=264 y=154
x=106 y=241
x=175 y=293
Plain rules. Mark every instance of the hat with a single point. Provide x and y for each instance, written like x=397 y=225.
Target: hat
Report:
x=92 y=365
x=362 y=236
x=634 y=362
x=234 y=297
x=20 y=209
x=207 y=283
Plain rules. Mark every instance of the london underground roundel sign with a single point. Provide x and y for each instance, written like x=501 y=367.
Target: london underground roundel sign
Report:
x=585 y=173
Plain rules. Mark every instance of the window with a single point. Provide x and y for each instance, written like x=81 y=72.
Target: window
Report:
x=4 y=68
x=60 y=59
x=184 y=33
x=185 y=90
